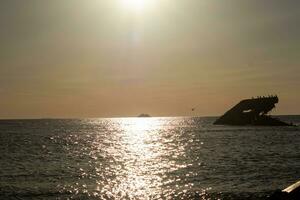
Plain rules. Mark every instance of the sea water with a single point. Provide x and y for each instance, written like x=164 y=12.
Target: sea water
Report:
x=145 y=158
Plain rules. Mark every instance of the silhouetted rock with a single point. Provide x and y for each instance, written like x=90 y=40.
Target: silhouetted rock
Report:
x=252 y=112
x=290 y=193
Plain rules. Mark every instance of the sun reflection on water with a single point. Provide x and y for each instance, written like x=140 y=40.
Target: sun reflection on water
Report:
x=132 y=158
x=139 y=154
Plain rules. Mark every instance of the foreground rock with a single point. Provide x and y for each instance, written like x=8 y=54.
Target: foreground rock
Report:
x=290 y=193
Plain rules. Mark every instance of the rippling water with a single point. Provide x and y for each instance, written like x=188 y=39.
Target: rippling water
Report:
x=145 y=158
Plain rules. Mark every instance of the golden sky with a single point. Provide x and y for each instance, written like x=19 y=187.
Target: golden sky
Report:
x=105 y=58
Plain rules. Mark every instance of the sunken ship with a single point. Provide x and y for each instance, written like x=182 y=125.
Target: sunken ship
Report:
x=252 y=112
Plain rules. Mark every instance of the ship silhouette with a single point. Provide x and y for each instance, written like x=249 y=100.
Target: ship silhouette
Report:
x=252 y=112
x=144 y=115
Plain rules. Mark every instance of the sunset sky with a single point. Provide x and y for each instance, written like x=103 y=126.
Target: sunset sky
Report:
x=115 y=58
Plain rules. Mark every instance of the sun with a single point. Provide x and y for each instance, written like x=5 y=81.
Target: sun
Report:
x=136 y=5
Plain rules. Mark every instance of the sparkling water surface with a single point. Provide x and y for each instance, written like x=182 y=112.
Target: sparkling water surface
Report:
x=145 y=158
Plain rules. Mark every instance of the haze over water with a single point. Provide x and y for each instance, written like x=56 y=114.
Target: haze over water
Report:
x=145 y=158
x=118 y=58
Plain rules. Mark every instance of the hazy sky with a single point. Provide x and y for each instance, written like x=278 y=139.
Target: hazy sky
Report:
x=101 y=58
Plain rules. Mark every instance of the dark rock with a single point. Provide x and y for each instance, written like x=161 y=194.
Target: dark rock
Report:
x=290 y=193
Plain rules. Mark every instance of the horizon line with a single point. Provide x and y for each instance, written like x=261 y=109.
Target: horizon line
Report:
x=73 y=118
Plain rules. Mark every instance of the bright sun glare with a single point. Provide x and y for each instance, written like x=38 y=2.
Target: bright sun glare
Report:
x=137 y=5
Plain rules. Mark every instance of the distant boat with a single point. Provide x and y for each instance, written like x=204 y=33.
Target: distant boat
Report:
x=144 y=115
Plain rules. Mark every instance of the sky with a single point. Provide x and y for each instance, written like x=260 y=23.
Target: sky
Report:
x=107 y=58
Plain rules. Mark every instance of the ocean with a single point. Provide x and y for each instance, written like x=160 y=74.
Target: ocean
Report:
x=145 y=158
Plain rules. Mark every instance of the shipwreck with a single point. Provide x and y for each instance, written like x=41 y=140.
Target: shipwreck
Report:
x=252 y=112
